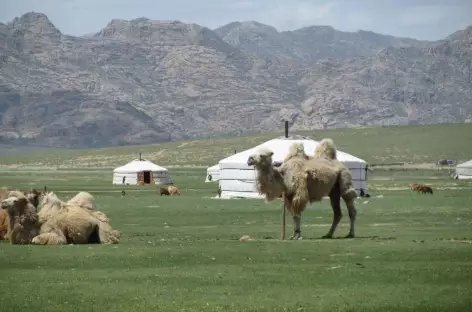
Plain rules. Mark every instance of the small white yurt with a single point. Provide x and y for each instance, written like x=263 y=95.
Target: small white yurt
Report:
x=213 y=173
x=464 y=171
x=141 y=170
x=237 y=179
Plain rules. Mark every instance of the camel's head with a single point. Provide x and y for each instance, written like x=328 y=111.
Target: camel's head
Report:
x=261 y=159
x=15 y=201
x=34 y=196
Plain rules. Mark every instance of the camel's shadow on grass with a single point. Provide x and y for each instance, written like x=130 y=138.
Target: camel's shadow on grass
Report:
x=320 y=238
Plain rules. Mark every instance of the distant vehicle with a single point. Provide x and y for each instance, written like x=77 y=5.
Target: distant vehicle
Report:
x=444 y=162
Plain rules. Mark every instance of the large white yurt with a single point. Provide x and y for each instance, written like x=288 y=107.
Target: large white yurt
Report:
x=237 y=179
x=213 y=173
x=464 y=170
x=141 y=170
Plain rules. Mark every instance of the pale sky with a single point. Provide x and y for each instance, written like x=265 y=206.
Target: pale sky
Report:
x=421 y=19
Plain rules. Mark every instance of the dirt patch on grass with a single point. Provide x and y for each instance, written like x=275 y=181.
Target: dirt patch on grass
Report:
x=383 y=224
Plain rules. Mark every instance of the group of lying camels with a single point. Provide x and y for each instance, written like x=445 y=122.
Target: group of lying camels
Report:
x=301 y=179
x=41 y=218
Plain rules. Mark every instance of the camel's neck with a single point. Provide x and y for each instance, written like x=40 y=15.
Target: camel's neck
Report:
x=266 y=174
x=269 y=182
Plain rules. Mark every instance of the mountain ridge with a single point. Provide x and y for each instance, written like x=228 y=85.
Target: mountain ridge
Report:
x=145 y=81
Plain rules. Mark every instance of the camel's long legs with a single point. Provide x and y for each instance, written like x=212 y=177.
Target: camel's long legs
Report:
x=296 y=216
x=335 y=199
x=296 y=225
x=284 y=207
x=352 y=217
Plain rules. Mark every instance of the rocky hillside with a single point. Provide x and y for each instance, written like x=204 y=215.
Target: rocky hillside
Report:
x=144 y=81
x=307 y=44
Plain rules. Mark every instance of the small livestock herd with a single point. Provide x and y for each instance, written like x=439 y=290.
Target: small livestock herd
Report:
x=420 y=188
x=41 y=218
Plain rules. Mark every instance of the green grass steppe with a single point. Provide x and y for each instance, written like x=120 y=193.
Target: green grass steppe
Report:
x=413 y=251
x=376 y=145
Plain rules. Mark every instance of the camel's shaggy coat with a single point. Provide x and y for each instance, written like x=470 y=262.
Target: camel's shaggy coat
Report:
x=23 y=223
x=303 y=179
x=4 y=190
x=269 y=180
x=34 y=196
x=63 y=223
x=107 y=234
x=3 y=224
x=84 y=200
x=74 y=222
x=3 y=214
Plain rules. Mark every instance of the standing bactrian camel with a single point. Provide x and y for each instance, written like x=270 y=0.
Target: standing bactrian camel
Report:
x=302 y=179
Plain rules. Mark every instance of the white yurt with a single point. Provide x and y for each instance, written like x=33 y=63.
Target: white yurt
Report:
x=237 y=179
x=213 y=173
x=141 y=170
x=464 y=170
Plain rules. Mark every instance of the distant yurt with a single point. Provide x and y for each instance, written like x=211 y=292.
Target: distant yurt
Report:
x=464 y=171
x=213 y=173
x=141 y=170
x=237 y=179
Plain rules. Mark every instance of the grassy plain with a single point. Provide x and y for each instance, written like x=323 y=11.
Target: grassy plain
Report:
x=423 y=144
x=182 y=253
x=413 y=252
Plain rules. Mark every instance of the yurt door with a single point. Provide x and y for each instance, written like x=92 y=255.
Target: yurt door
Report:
x=141 y=177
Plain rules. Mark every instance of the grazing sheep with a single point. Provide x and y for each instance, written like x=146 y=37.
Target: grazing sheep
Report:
x=169 y=190
x=23 y=223
x=420 y=188
x=415 y=186
x=303 y=179
x=173 y=190
x=164 y=191
x=425 y=189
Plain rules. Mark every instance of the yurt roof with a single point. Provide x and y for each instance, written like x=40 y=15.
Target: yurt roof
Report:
x=137 y=165
x=467 y=164
x=214 y=168
x=280 y=146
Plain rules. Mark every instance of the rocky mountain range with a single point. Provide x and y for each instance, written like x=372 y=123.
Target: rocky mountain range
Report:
x=146 y=81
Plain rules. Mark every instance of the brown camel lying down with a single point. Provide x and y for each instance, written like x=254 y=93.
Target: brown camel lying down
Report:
x=23 y=224
x=32 y=198
x=302 y=179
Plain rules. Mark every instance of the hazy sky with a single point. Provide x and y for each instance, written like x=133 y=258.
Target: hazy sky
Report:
x=421 y=19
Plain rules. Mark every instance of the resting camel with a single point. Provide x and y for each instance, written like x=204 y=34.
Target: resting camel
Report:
x=302 y=179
